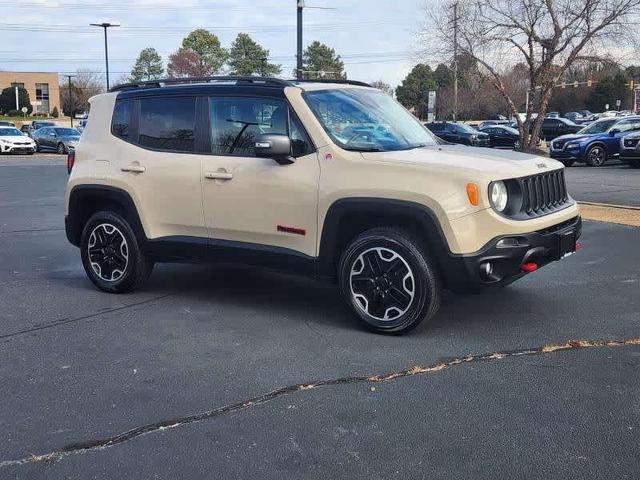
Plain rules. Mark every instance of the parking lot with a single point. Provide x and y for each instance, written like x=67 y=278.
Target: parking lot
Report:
x=253 y=374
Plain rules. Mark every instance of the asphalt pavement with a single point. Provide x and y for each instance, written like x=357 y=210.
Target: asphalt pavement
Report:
x=231 y=372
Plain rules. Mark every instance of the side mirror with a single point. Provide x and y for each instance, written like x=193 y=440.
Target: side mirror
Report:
x=53 y=134
x=613 y=131
x=276 y=146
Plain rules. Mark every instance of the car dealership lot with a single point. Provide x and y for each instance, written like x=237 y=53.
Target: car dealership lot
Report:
x=80 y=367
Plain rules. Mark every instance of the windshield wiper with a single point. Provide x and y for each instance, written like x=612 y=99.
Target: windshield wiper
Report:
x=365 y=149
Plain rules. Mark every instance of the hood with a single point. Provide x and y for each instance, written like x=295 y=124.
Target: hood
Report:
x=16 y=138
x=484 y=163
x=566 y=138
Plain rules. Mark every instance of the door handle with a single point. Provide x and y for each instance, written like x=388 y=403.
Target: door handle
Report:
x=218 y=175
x=134 y=169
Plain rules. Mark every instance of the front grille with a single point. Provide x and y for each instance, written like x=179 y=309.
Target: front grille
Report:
x=543 y=193
x=631 y=142
x=558 y=144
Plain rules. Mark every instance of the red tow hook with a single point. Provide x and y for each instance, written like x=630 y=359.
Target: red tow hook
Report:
x=578 y=246
x=529 y=267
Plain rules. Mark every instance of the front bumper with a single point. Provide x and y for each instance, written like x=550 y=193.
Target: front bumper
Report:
x=469 y=271
x=575 y=154
x=17 y=148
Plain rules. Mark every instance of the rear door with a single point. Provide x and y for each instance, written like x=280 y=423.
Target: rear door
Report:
x=255 y=202
x=157 y=161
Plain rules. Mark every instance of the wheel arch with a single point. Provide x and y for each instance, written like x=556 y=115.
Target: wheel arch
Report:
x=85 y=200
x=349 y=217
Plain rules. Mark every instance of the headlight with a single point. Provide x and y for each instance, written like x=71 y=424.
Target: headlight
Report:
x=573 y=145
x=498 y=195
x=473 y=137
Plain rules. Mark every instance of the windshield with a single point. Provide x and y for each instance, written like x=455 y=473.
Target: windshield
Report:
x=598 y=127
x=67 y=132
x=10 y=132
x=367 y=120
x=510 y=130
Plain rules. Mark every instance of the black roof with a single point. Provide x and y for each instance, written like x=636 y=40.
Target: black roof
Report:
x=223 y=81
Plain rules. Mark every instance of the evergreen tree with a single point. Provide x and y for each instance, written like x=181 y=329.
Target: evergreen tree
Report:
x=247 y=57
x=148 y=66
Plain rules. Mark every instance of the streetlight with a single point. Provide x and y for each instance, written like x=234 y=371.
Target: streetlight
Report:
x=106 y=50
x=70 y=100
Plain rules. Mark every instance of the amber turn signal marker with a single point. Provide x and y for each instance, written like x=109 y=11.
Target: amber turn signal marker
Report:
x=472 y=193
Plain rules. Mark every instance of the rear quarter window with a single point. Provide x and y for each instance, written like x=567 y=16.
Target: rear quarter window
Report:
x=121 y=120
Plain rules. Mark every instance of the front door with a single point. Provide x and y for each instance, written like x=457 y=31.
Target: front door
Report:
x=255 y=201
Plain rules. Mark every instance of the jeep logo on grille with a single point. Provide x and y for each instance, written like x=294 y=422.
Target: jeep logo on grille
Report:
x=541 y=165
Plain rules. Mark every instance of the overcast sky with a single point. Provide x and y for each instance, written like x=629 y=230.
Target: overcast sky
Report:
x=376 y=38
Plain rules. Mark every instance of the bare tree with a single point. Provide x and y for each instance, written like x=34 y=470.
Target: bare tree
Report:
x=84 y=85
x=384 y=86
x=546 y=36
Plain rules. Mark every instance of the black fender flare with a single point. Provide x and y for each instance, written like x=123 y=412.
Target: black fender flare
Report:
x=84 y=200
x=421 y=217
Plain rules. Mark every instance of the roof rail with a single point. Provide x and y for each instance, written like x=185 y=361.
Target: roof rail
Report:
x=185 y=81
x=331 y=80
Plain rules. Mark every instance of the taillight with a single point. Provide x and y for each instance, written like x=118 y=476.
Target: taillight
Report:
x=71 y=159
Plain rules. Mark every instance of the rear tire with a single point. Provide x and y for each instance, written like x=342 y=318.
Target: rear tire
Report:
x=389 y=281
x=111 y=254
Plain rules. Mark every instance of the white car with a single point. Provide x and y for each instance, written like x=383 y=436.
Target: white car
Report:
x=13 y=140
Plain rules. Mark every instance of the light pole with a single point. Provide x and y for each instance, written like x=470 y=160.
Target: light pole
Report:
x=300 y=6
x=70 y=100
x=105 y=25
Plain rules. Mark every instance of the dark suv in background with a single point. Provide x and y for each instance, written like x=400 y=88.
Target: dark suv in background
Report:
x=554 y=127
x=459 y=133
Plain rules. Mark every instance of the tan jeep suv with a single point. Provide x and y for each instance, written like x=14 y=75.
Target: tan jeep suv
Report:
x=335 y=180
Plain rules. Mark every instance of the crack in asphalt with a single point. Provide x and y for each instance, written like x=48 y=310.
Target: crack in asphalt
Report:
x=64 y=321
x=101 y=444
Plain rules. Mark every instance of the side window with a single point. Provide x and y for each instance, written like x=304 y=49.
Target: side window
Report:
x=168 y=123
x=300 y=143
x=121 y=120
x=628 y=125
x=236 y=122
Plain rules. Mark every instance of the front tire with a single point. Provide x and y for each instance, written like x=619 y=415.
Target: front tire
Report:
x=389 y=281
x=596 y=156
x=111 y=254
x=61 y=148
x=568 y=162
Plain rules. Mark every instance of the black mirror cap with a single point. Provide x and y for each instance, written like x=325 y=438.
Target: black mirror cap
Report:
x=613 y=131
x=276 y=146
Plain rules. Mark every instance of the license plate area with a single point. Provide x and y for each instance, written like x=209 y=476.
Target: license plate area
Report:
x=566 y=244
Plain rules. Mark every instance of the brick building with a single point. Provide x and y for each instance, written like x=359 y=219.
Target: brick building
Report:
x=43 y=88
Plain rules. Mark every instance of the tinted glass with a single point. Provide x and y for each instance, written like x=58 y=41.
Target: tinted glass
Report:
x=168 y=123
x=121 y=121
x=462 y=127
x=236 y=122
x=10 y=132
x=367 y=120
x=436 y=127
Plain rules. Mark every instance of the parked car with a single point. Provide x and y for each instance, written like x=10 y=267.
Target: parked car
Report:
x=5 y=123
x=554 y=127
x=459 y=133
x=587 y=116
x=488 y=123
x=502 y=136
x=13 y=140
x=594 y=144
x=552 y=115
x=575 y=117
x=393 y=219
x=56 y=139
x=609 y=114
x=630 y=149
x=36 y=125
